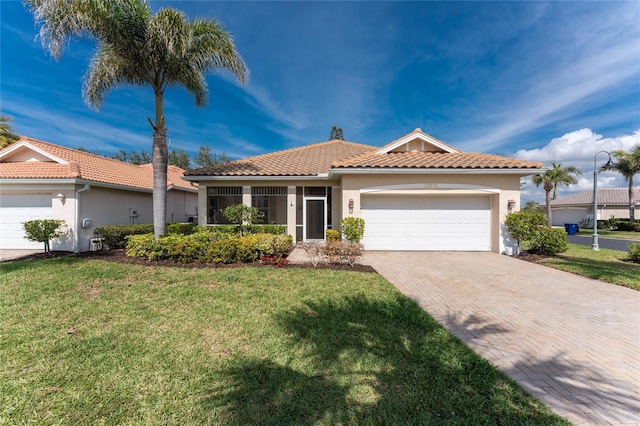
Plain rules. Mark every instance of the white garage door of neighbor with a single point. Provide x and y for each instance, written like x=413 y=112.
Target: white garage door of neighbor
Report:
x=429 y=223
x=16 y=209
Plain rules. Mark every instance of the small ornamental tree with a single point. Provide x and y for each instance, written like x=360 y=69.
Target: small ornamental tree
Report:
x=523 y=225
x=352 y=228
x=530 y=228
x=43 y=231
x=242 y=215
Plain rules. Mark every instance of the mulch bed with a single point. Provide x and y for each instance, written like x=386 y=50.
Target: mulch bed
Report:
x=118 y=256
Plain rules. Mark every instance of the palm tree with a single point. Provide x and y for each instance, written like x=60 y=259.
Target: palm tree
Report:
x=564 y=175
x=547 y=181
x=628 y=164
x=136 y=47
x=550 y=180
x=7 y=137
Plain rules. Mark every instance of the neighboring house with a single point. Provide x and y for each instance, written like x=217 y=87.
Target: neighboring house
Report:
x=416 y=193
x=612 y=202
x=40 y=180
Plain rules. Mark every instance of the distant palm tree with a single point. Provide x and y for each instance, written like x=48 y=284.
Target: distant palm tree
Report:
x=563 y=175
x=547 y=181
x=7 y=137
x=628 y=164
x=136 y=47
x=550 y=180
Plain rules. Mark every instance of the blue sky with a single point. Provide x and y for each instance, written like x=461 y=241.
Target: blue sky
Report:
x=538 y=80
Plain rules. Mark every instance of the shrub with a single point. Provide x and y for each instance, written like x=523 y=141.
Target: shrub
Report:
x=242 y=215
x=332 y=235
x=314 y=251
x=182 y=228
x=115 y=235
x=142 y=246
x=549 y=241
x=266 y=229
x=207 y=247
x=223 y=229
x=43 y=231
x=343 y=252
x=585 y=222
x=352 y=228
x=634 y=252
x=277 y=261
x=625 y=225
x=523 y=225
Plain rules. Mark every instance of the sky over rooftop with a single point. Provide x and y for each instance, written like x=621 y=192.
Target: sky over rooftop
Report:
x=545 y=81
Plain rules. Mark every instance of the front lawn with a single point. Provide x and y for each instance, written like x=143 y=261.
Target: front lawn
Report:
x=85 y=341
x=605 y=265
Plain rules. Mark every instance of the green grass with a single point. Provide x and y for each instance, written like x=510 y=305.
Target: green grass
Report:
x=624 y=235
x=604 y=265
x=91 y=342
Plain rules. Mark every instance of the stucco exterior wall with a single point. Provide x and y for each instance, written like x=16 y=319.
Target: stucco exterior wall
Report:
x=500 y=189
x=506 y=187
x=104 y=206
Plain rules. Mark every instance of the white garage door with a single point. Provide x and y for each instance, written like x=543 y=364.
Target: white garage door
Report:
x=16 y=209
x=448 y=223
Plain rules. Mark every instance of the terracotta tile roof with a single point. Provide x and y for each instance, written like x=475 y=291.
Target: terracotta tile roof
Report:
x=608 y=196
x=434 y=160
x=309 y=160
x=86 y=166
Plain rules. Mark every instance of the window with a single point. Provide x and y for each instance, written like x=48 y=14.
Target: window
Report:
x=218 y=199
x=272 y=202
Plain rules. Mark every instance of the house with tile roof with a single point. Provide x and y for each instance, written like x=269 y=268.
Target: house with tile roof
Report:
x=612 y=202
x=415 y=193
x=41 y=180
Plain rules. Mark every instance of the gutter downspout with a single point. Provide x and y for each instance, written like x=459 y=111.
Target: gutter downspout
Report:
x=86 y=188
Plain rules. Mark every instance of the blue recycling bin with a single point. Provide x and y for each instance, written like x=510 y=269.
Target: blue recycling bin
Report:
x=571 y=228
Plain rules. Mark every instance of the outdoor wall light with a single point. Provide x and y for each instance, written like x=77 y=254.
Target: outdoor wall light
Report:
x=61 y=197
x=351 y=205
x=511 y=204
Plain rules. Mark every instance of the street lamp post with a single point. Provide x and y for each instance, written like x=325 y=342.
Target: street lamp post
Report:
x=608 y=166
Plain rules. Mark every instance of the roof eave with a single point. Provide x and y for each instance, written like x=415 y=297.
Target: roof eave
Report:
x=319 y=176
x=416 y=170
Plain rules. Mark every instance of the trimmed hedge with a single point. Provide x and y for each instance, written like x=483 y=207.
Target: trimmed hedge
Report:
x=625 y=225
x=115 y=235
x=209 y=247
x=548 y=241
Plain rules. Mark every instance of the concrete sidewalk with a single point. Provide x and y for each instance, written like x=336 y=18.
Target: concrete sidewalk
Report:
x=6 y=255
x=572 y=342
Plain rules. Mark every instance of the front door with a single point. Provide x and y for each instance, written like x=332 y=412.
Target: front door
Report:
x=315 y=218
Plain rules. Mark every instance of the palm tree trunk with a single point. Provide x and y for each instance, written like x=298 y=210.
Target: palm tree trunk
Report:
x=159 y=159
x=631 y=206
x=548 y=200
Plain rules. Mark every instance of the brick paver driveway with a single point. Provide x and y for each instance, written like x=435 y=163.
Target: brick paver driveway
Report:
x=572 y=342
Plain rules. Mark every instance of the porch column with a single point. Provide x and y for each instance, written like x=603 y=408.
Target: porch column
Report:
x=203 y=207
x=246 y=195
x=291 y=211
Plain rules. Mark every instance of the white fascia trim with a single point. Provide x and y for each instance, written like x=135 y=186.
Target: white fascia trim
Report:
x=320 y=176
x=26 y=144
x=429 y=186
x=433 y=141
x=416 y=171
x=87 y=182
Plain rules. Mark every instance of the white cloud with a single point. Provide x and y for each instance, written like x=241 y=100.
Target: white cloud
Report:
x=578 y=149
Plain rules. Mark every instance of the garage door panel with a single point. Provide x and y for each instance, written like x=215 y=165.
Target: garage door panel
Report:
x=457 y=223
x=15 y=209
